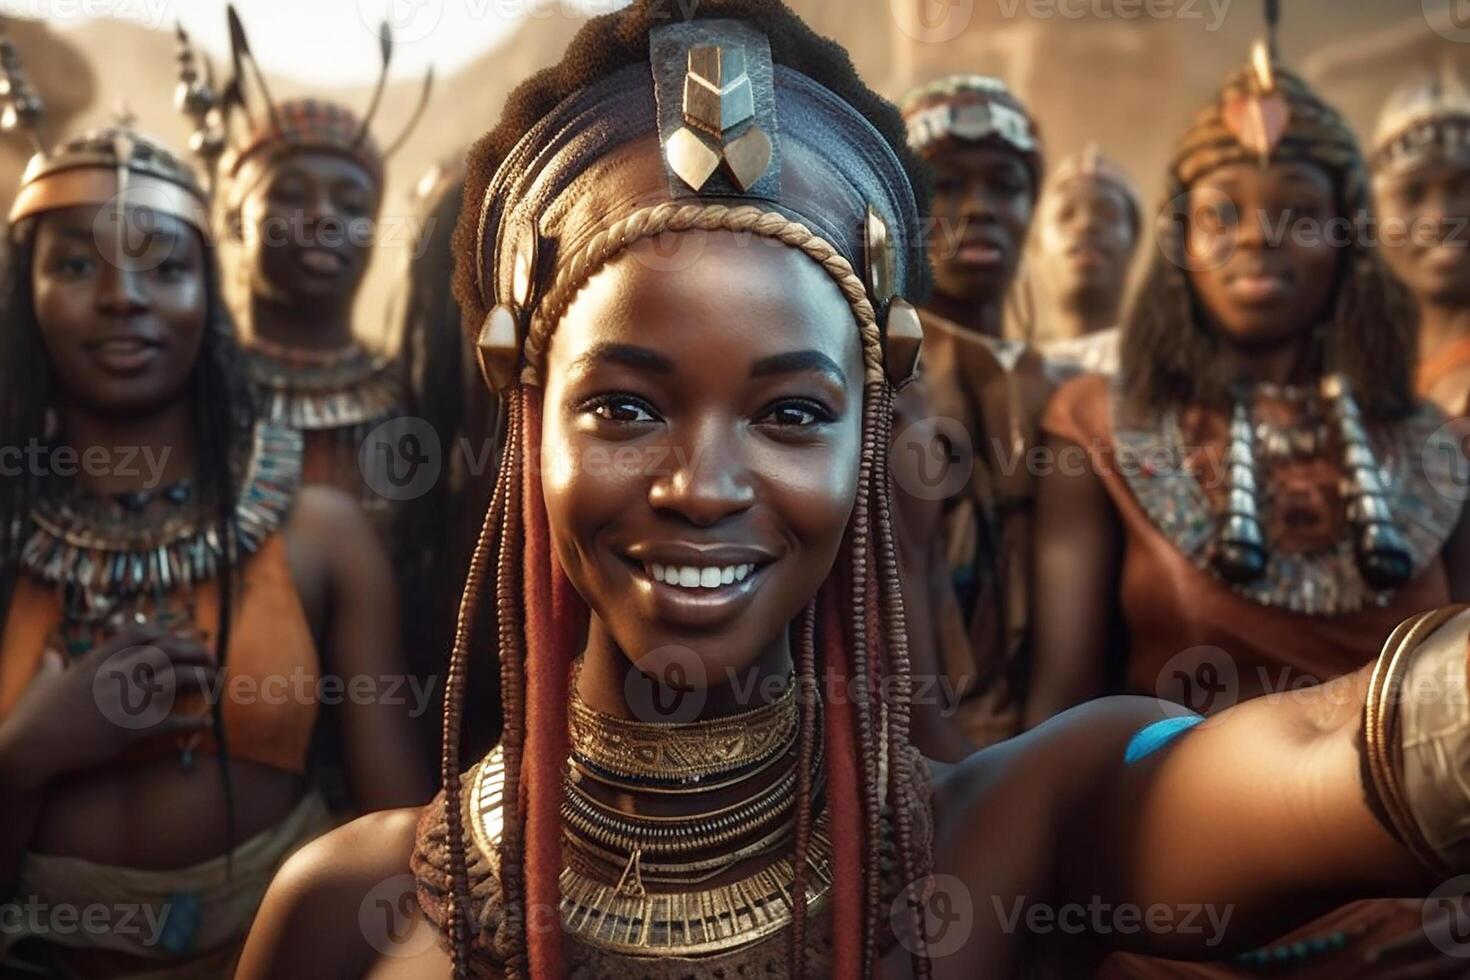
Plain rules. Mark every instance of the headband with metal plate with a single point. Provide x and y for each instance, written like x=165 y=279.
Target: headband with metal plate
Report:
x=692 y=127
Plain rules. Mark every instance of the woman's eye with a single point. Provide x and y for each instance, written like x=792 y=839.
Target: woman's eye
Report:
x=172 y=270
x=622 y=409
x=75 y=267
x=799 y=413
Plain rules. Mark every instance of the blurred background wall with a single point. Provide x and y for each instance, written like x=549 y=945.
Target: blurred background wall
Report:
x=1128 y=73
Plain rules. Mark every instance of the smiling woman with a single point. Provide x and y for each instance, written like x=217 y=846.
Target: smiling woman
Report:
x=127 y=590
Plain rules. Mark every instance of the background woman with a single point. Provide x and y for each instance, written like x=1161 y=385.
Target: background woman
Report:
x=126 y=582
x=1261 y=469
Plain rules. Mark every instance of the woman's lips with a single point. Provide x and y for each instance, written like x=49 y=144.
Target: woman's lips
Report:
x=322 y=262
x=698 y=595
x=125 y=355
x=979 y=254
x=1258 y=288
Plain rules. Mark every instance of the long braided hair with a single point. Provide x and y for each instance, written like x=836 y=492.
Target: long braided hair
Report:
x=851 y=637
x=219 y=405
x=1169 y=355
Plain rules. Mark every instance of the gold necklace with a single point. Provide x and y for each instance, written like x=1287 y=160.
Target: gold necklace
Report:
x=692 y=923
x=681 y=753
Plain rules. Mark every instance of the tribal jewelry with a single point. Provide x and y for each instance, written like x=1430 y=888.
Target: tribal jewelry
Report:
x=676 y=754
x=98 y=547
x=314 y=391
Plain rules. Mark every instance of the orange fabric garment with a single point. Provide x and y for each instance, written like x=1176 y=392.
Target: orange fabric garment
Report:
x=270 y=687
x=1171 y=605
x=1452 y=361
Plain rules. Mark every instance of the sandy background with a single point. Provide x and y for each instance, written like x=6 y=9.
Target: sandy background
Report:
x=1128 y=73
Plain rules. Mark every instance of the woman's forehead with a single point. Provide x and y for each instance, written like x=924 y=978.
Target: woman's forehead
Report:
x=739 y=299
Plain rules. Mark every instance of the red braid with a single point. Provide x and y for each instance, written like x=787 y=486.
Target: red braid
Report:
x=547 y=678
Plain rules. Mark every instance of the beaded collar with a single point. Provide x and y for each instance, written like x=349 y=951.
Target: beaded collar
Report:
x=106 y=549
x=309 y=392
x=1417 y=457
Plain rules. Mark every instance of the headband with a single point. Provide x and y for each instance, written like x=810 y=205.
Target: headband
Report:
x=973 y=110
x=708 y=135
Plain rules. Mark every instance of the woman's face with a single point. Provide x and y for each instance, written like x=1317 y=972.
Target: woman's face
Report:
x=122 y=317
x=983 y=200
x=1086 y=237
x=701 y=439
x=308 y=226
x=1425 y=212
x=1264 y=247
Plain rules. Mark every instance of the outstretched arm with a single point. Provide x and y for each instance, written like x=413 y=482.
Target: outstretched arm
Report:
x=1076 y=555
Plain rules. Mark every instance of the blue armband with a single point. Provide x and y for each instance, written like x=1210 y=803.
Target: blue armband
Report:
x=1157 y=734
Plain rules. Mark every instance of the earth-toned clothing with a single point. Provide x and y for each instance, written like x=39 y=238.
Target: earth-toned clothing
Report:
x=1093 y=353
x=995 y=390
x=480 y=807
x=1193 y=637
x=336 y=400
x=1444 y=377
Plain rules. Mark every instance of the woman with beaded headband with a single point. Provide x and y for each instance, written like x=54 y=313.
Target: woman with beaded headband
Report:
x=1257 y=498
x=1087 y=234
x=752 y=827
x=167 y=590
x=1420 y=162
x=299 y=193
x=969 y=607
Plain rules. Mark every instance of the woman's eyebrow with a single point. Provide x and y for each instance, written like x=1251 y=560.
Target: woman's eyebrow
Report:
x=799 y=360
x=628 y=355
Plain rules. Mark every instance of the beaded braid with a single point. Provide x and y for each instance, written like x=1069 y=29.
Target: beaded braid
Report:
x=806 y=681
x=900 y=759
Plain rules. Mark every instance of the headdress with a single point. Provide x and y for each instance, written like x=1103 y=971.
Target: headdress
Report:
x=115 y=165
x=1424 y=120
x=1092 y=165
x=973 y=109
x=275 y=129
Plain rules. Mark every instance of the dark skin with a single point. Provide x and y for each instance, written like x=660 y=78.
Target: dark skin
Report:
x=983 y=202
x=1425 y=212
x=123 y=339
x=306 y=224
x=1085 y=240
x=1266 y=297
x=1003 y=811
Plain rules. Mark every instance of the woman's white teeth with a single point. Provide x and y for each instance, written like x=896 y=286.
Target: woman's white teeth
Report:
x=699 y=577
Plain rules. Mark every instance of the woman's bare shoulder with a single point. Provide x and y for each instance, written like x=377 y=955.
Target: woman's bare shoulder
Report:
x=322 y=912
